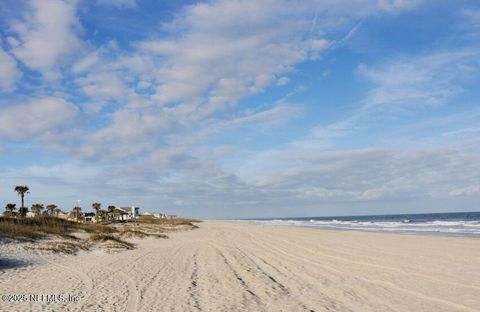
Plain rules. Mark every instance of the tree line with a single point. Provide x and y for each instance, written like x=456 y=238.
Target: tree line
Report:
x=52 y=210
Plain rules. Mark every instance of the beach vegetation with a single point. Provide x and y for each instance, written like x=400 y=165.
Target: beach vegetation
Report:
x=30 y=229
x=96 y=207
x=52 y=209
x=22 y=190
x=111 y=240
x=133 y=233
x=37 y=209
x=10 y=210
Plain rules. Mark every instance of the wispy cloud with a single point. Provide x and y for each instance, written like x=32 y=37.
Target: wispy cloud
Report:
x=372 y=175
x=118 y=3
x=47 y=36
x=206 y=66
x=35 y=118
x=419 y=81
x=9 y=72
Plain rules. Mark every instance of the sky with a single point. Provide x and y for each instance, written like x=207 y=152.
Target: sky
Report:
x=242 y=109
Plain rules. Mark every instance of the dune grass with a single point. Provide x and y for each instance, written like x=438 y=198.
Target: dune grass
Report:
x=132 y=233
x=166 y=222
x=66 y=247
x=62 y=236
x=30 y=229
x=114 y=242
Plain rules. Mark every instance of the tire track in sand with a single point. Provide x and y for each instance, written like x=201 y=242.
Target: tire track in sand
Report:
x=85 y=279
x=132 y=295
x=385 y=284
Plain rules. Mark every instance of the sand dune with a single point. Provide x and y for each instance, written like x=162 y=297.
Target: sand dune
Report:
x=242 y=267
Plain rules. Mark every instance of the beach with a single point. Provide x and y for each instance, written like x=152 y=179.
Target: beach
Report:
x=234 y=266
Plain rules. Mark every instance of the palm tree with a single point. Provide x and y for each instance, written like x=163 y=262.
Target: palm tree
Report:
x=22 y=190
x=103 y=214
x=110 y=211
x=10 y=210
x=57 y=211
x=22 y=211
x=37 y=209
x=51 y=209
x=76 y=211
x=96 y=207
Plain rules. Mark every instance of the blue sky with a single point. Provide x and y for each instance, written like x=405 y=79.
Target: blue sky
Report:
x=233 y=109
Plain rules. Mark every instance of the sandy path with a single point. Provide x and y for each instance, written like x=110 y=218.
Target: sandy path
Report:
x=242 y=267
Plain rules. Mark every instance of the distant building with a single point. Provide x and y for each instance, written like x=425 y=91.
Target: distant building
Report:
x=89 y=217
x=158 y=215
x=80 y=218
x=62 y=215
x=133 y=211
x=154 y=215
x=123 y=213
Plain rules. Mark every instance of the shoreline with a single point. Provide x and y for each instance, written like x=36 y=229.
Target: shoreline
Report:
x=228 y=266
x=319 y=228
x=458 y=224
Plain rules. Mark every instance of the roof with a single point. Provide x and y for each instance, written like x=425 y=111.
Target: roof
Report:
x=129 y=208
x=120 y=210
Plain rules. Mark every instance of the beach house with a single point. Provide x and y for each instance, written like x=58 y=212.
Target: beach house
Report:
x=123 y=213
x=62 y=215
x=89 y=217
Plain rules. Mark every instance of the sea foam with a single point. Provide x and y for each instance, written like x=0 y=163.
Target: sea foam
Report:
x=445 y=223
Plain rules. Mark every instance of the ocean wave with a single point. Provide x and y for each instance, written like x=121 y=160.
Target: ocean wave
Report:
x=459 y=227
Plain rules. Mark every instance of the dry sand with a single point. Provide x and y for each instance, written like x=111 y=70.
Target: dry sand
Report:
x=244 y=267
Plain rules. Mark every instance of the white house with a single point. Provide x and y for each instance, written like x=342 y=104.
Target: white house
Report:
x=89 y=217
x=154 y=215
x=124 y=213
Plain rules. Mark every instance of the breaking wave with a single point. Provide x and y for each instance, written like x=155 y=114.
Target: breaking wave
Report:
x=425 y=223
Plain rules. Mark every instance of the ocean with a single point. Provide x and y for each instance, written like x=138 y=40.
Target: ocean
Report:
x=454 y=224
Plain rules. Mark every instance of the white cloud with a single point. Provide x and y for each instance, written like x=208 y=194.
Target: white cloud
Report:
x=322 y=137
x=397 y=5
x=211 y=60
x=143 y=84
x=36 y=117
x=208 y=63
x=132 y=132
x=282 y=81
x=118 y=3
x=102 y=85
x=420 y=81
x=86 y=63
x=214 y=50
x=350 y=176
x=47 y=35
x=377 y=173
x=9 y=72
x=469 y=190
x=262 y=81
x=463 y=131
